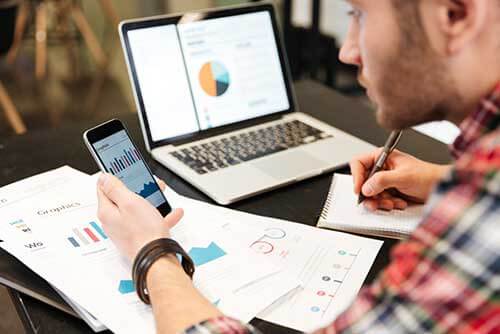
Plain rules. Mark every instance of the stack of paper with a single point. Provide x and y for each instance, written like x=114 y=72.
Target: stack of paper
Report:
x=332 y=266
x=293 y=275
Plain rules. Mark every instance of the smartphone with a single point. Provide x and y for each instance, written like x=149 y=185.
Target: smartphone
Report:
x=115 y=153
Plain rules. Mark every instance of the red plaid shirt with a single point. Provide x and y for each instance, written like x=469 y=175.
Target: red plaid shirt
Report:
x=446 y=276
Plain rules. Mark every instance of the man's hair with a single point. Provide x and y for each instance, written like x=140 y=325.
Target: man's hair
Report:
x=409 y=20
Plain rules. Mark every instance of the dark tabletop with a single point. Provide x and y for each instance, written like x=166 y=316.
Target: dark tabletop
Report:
x=40 y=151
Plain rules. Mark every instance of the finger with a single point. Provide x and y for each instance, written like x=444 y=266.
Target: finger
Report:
x=385 y=204
x=114 y=189
x=400 y=204
x=371 y=204
x=106 y=210
x=397 y=202
x=380 y=182
x=374 y=204
x=385 y=195
x=162 y=185
x=173 y=218
x=360 y=168
x=358 y=172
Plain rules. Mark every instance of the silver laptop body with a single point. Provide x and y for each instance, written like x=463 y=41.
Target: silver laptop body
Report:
x=217 y=107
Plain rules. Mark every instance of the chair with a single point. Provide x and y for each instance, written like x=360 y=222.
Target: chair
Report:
x=8 y=14
x=66 y=12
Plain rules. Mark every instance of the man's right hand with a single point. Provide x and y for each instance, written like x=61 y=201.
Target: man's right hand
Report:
x=404 y=180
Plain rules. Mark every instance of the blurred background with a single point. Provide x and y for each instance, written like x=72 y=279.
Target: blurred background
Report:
x=61 y=60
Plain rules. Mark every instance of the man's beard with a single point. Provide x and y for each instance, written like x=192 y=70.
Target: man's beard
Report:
x=414 y=88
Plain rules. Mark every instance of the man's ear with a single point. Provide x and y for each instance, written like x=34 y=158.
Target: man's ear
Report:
x=461 y=21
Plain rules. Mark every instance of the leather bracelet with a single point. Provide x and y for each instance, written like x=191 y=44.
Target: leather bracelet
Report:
x=148 y=255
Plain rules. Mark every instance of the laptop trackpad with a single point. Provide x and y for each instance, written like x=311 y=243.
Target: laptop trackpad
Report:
x=289 y=164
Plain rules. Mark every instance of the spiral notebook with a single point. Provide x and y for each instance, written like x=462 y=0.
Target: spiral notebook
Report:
x=341 y=212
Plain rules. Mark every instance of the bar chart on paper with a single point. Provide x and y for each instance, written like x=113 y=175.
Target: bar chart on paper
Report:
x=90 y=234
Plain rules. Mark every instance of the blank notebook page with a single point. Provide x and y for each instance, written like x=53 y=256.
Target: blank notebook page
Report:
x=341 y=212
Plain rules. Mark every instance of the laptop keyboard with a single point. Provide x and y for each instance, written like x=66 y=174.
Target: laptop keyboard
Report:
x=225 y=152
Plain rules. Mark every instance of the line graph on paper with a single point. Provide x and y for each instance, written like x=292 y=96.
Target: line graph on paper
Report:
x=323 y=269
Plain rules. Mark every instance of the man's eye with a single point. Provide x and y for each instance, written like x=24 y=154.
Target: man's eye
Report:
x=355 y=13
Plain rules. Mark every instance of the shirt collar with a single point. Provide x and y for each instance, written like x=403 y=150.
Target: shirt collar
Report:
x=483 y=120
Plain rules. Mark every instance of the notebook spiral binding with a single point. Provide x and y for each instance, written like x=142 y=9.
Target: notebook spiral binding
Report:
x=328 y=201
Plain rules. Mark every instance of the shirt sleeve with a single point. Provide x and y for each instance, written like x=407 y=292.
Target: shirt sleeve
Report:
x=443 y=278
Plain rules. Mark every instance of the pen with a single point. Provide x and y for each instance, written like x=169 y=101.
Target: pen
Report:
x=389 y=146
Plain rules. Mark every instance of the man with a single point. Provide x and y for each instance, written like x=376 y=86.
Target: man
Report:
x=420 y=60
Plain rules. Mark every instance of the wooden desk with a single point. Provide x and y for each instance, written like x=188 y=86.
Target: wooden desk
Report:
x=36 y=152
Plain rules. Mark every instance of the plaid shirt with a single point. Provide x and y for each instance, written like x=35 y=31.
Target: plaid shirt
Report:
x=446 y=276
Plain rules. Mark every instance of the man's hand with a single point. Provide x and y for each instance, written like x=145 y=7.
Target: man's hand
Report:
x=129 y=220
x=405 y=179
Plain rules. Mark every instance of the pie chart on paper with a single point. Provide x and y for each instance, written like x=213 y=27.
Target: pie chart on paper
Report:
x=214 y=78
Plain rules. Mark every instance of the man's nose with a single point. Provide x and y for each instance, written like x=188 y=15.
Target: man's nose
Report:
x=349 y=53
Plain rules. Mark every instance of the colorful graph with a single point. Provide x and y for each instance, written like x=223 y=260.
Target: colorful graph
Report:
x=87 y=235
x=126 y=286
x=214 y=78
x=265 y=246
x=129 y=157
x=203 y=255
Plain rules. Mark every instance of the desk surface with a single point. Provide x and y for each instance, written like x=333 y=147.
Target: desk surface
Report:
x=39 y=151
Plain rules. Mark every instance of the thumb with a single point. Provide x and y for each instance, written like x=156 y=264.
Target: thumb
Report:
x=379 y=182
x=173 y=218
x=113 y=189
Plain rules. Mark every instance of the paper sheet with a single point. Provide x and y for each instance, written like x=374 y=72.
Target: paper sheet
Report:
x=36 y=186
x=345 y=214
x=331 y=265
x=62 y=240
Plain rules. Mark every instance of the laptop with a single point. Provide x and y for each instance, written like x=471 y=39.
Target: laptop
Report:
x=217 y=107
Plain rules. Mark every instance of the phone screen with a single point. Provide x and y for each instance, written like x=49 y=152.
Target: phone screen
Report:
x=119 y=157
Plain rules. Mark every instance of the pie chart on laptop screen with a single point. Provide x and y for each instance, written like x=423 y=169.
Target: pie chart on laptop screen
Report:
x=214 y=78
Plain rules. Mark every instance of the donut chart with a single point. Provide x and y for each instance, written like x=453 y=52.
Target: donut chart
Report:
x=214 y=78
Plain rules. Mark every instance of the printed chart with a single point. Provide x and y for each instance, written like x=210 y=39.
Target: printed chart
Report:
x=331 y=267
x=204 y=255
x=126 y=287
x=92 y=233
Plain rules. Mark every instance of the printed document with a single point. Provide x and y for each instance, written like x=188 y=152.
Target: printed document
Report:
x=331 y=266
x=63 y=241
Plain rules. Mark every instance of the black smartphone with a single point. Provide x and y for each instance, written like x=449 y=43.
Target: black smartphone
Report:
x=115 y=153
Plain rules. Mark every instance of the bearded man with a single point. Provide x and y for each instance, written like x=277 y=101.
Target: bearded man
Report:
x=420 y=60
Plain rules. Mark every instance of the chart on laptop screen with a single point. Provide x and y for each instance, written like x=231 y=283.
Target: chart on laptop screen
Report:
x=234 y=68
x=214 y=79
x=208 y=73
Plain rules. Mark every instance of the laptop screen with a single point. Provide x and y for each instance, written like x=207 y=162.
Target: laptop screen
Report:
x=198 y=75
